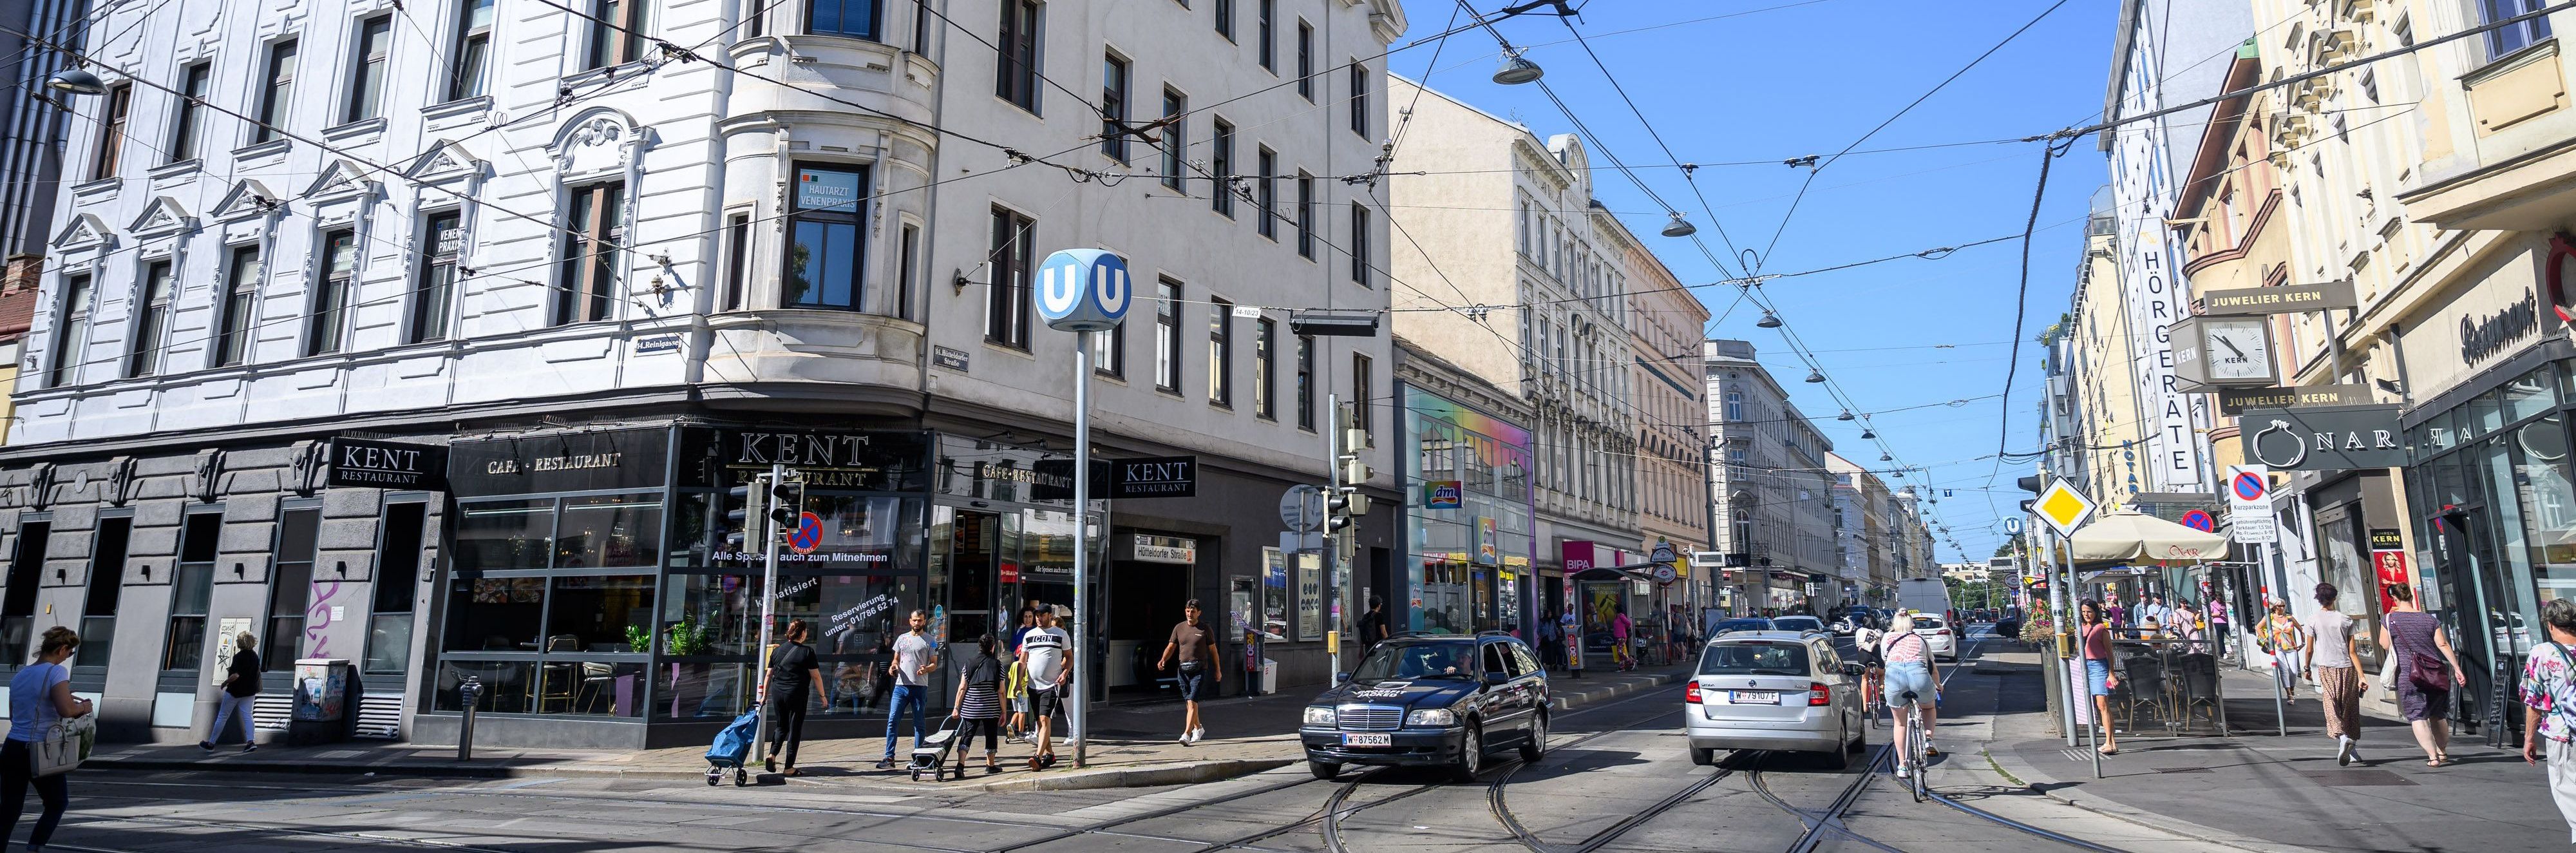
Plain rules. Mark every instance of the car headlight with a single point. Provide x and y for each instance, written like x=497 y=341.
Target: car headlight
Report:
x=1431 y=717
x=1319 y=715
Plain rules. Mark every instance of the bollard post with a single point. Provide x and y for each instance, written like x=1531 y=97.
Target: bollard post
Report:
x=471 y=691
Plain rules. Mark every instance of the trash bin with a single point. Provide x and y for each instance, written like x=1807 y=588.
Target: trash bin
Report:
x=1269 y=676
x=321 y=713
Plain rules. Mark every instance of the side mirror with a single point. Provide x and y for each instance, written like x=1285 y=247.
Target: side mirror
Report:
x=1492 y=677
x=1341 y=678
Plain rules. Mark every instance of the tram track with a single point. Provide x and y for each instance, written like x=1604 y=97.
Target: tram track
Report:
x=1333 y=817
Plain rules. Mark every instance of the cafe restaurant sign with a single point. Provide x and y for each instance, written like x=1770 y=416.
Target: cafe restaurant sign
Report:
x=558 y=462
x=387 y=465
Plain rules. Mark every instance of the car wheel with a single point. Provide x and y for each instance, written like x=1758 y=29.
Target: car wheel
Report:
x=1471 y=756
x=1536 y=745
x=1836 y=758
x=1324 y=770
x=1703 y=757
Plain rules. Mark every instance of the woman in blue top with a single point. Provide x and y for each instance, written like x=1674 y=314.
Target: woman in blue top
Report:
x=39 y=694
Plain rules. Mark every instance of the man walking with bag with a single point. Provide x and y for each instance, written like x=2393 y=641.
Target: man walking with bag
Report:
x=1195 y=645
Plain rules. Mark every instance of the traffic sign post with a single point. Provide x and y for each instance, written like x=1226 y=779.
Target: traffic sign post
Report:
x=769 y=536
x=1082 y=291
x=2065 y=509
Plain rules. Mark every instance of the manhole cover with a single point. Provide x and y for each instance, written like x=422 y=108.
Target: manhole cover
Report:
x=2350 y=778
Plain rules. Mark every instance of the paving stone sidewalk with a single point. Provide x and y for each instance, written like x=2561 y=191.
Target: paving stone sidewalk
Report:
x=1131 y=745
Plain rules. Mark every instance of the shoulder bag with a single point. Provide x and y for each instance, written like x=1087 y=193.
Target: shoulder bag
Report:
x=2429 y=672
x=65 y=745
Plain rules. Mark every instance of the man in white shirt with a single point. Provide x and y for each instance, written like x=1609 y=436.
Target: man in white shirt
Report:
x=914 y=658
x=1042 y=651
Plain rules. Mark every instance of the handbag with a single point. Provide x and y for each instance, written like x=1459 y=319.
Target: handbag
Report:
x=64 y=745
x=2429 y=673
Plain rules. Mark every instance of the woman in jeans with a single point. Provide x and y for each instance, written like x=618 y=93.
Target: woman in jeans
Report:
x=241 y=685
x=2330 y=663
x=2098 y=680
x=38 y=695
x=2416 y=638
x=2549 y=703
x=979 y=704
x=1910 y=669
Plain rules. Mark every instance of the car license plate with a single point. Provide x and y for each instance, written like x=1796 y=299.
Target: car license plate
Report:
x=1752 y=697
x=1354 y=739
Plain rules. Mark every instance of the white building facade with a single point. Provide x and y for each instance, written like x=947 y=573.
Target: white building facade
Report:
x=608 y=261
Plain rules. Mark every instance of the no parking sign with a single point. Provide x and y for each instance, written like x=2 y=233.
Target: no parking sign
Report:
x=2249 y=505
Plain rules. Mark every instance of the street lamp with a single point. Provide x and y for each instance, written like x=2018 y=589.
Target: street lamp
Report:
x=1679 y=227
x=1516 y=70
x=77 y=82
x=1814 y=375
x=1846 y=415
x=1769 y=320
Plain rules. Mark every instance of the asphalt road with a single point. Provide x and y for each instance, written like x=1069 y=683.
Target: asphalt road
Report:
x=1617 y=778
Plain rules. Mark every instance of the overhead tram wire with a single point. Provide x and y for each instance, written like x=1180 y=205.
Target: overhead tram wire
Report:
x=2021 y=297
x=1765 y=257
x=1689 y=170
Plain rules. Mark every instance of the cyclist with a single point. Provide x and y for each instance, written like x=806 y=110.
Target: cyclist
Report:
x=1873 y=678
x=1910 y=670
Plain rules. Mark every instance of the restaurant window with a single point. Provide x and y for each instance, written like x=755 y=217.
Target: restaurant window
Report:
x=1006 y=294
x=71 y=334
x=111 y=131
x=389 y=612
x=367 y=69
x=825 y=255
x=240 y=306
x=1221 y=353
x=1265 y=369
x=106 y=584
x=436 y=290
x=151 y=318
x=192 y=586
x=590 y=253
x=1016 y=74
x=277 y=97
x=616 y=33
x=324 y=326
x=1167 y=336
x=846 y=18
x=471 y=50
x=189 y=112
x=290 y=586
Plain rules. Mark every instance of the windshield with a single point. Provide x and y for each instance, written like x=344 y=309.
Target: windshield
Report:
x=1927 y=623
x=1759 y=657
x=1797 y=623
x=1743 y=625
x=1417 y=660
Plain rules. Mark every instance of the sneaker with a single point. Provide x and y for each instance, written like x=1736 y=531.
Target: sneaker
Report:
x=2343 y=750
x=250 y=747
x=1198 y=734
x=1184 y=739
x=1902 y=772
x=206 y=745
x=1929 y=750
x=885 y=764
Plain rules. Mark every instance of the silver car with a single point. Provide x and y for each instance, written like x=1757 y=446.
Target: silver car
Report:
x=1778 y=690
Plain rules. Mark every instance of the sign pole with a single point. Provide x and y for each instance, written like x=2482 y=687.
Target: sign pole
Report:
x=1078 y=712
x=2059 y=594
x=768 y=584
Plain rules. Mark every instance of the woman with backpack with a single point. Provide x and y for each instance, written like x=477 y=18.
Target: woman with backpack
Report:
x=2549 y=703
x=39 y=694
x=2426 y=670
x=979 y=704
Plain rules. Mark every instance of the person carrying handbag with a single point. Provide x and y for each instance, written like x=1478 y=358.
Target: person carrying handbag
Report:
x=2426 y=672
x=40 y=696
x=241 y=685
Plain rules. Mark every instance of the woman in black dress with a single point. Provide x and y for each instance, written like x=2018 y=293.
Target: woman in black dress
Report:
x=795 y=678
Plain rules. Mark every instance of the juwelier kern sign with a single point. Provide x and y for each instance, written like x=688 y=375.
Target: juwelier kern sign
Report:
x=2323 y=439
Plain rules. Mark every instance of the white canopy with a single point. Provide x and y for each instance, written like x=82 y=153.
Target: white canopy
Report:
x=2128 y=536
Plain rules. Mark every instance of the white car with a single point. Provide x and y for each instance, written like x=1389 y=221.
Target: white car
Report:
x=1800 y=624
x=1937 y=636
x=1778 y=690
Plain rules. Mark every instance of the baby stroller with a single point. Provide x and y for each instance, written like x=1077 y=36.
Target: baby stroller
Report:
x=932 y=755
x=732 y=746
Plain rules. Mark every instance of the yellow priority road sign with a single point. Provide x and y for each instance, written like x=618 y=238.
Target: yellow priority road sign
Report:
x=2063 y=508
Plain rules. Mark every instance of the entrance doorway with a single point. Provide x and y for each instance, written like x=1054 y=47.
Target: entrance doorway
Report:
x=1146 y=602
x=975 y=575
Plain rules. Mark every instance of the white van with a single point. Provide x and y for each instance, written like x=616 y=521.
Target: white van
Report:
x=1924 y=595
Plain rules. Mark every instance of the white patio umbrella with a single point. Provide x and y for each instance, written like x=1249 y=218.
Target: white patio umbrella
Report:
x=2125 y=537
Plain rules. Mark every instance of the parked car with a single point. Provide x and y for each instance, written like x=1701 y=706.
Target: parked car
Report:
x=1425 y=700
x=1775 y=690
x=1800 y=624
x=1937 y=635
x=1748 y=623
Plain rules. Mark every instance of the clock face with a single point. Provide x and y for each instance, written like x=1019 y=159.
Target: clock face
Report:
x=2238 y=350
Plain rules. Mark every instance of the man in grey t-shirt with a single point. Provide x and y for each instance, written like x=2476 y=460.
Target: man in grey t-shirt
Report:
x=913 y=661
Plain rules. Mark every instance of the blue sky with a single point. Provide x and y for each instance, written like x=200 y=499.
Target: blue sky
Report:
x=1777 y=79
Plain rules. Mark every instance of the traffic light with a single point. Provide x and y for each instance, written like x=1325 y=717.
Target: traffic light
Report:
x=742 y=505
x=1344 y=505
x=2031 y=484
x=786 y=504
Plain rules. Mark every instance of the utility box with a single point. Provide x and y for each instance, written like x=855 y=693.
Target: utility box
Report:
x=1269 y=676
x=321 y=712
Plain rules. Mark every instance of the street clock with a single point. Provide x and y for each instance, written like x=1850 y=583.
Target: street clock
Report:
x=2223 y=352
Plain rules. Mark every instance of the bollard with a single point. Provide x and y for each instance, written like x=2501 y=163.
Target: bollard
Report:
x=471 y=692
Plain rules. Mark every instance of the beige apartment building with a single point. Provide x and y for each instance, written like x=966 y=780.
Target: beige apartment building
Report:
x=1673 y=496
x=2097 y=382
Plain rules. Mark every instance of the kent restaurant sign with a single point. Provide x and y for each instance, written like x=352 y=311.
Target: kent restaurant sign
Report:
x=387 y=465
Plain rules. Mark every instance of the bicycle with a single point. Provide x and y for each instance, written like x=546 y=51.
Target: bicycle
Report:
x=1873 y=691
x=1910 y=716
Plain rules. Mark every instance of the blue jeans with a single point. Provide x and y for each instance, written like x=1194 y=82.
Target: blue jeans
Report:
x=907 y=697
